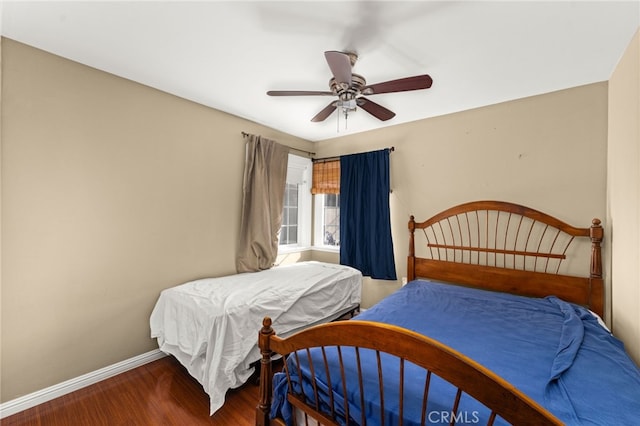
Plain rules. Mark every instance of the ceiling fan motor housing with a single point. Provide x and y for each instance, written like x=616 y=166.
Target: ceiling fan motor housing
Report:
x=346 y=91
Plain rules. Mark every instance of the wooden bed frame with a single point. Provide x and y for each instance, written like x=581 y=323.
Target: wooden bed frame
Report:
x=492 y=245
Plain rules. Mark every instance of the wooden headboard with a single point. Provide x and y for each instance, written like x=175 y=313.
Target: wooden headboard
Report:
x=506 y=247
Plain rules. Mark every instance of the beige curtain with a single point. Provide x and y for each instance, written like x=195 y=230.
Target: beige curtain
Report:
x=265 y=174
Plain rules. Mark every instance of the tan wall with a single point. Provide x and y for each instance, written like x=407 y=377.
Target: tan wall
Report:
x=623 y=189
x=547 y=152
x=111 y=192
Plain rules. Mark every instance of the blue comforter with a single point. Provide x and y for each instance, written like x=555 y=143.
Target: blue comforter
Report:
x=553 y=351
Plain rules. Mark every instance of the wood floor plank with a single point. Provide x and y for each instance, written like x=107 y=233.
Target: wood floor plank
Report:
x=158 y=393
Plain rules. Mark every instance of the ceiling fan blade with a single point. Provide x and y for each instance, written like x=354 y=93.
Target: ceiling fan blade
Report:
x=298 y=93
x=340 y=65
x=401 y=85
x=378 y=111
x=326 y=112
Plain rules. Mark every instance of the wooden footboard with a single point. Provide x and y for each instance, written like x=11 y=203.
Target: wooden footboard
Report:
x=470 y=378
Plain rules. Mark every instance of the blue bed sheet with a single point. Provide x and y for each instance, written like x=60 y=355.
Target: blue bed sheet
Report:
x=553 y=351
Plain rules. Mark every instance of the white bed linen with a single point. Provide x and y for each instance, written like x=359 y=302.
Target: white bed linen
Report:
x=211 y=325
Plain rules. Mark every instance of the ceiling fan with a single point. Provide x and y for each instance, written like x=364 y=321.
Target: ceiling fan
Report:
x=349 y=88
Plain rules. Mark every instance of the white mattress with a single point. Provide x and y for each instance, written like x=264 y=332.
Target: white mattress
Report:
x=211 y=325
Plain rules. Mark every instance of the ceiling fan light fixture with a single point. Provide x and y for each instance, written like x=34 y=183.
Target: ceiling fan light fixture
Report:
x=348 y=105
x=349 y=86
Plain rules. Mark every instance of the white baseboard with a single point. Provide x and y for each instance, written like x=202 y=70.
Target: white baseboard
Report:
x=31 y=400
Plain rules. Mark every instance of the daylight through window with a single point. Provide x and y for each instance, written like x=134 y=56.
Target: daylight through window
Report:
x=295 y=232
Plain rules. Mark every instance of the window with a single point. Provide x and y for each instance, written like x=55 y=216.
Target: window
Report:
x=295 y=233
x=327 y=219
x=326 y=190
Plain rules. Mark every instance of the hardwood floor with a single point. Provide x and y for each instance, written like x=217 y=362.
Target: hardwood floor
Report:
x=158 y=393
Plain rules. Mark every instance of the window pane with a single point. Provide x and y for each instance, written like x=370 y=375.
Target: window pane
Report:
x=289 y=231
x=293 y=216
x=331 y=220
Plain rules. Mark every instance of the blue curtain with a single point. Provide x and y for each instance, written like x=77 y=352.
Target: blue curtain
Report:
x=365 y=224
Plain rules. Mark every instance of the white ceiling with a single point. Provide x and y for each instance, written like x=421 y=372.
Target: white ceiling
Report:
x=228 y=54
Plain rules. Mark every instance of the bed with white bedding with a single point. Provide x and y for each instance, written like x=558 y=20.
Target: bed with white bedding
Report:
x=209 y=324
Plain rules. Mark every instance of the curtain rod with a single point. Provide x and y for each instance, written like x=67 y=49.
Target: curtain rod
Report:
x=309 y=153
x=391 y=149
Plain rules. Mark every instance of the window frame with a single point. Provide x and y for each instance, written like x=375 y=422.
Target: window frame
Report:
x=299 y=169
